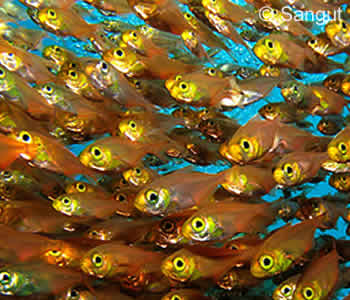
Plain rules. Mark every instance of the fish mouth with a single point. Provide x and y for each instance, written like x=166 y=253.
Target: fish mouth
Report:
x=334 y=154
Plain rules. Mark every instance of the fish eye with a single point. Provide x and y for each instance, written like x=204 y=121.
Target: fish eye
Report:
x=97 y=260
x=120 y=197
x=211 y=71
x=213 y=1
x=168 y=226
x=198 y=224
x=48 y=89
x=188 y=16
x=132 y=124
x=2 y=73
x=211 y=123
x=344 y=26
x=57 y=49
x=73 y=294
x=119 y=52
x=343 y=179
x=184 y=86
x=55 y=253
x=51 y=13
x=134 y=34
x=245 y=144
x=266 y=262
x=66 y=201
x=25 y=137
x=152 y=196
x=342 y=148
x=137 y=171
x=96 y=152
x=175 y=297
x=72 y=74
x=308 y=293
x=274 y=11
x=288 y=169
x=81 y=187
x=286 y=290
x=268 y=107
x=104 y=66
x=10 y=54
x=6 y=174
x=137 y=84
x=178 y=78
x=269 y=44
x=312 y=42
x=179 y=264
x=5 y=277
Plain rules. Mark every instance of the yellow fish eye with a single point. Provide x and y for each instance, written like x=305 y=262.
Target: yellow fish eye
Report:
x=178 y=77
x=25 y=137
x=51 y=13
x=152 y=196
x=213 y=1
x=132 y=124
x=81 y=187
x=198 y=224
x=66 y=201
x=137 y=171
x=175 y=297
x=313 y=42
x=137 y=84
x=184 y=86
x=343 y=148
x=266 y=262
x=211 y=71
x=308 y=293
x=119 y=53
x=288 y=169
x=57 y=49
x=269 y=44
x=286 y=290
x=54 y=253
x=344 y=26
x=97 y=260
x=72 y=74
x=47 y=89
x=2 y=73
x=5 y=277
x=96 y=152
x=188 y=16
x=179 y=264
x=343 y=179
x=245 y=145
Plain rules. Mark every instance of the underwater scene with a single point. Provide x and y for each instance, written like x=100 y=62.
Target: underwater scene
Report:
x=174 y=149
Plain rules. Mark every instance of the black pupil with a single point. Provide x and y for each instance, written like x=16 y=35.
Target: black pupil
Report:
x=134 y=34
x=104 y=66
x=1 y=72
x=295 y=88
x=121 y=197
x=153 y=197
x=270 y=45
x=245 y=145
x=289 y=170
x=183 y=86
x=73 y=65
x=269 y=107
x=342 y=147
x=119 y=52
x=48 y=88
x=25 y=137
x=5 y=277
x=179 y=263
x=286 y=290
x=73 y=293
x=313 y=42
x=176 y=298
x=73 y=74
x=52 y=13
x=65 y=201
x=133 y=125
x=80 y=186
x=98 y=259
x=138 y=84
x=344 y=25
x=97 y=152
x=266 y=261
x=58 y=49
x=309 y=293
x=138 y=171
x=199 y=224
x=343 y=178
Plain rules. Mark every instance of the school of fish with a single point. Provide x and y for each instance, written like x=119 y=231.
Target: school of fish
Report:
x=135 y=213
